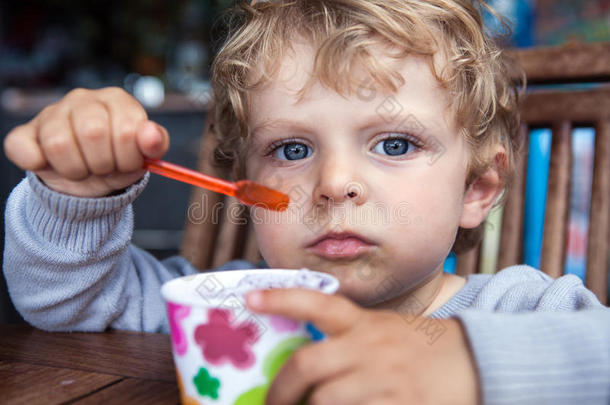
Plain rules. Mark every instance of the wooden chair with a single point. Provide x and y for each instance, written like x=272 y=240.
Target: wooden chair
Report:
x=561 y=110
x=217 y=231
x=217 y=228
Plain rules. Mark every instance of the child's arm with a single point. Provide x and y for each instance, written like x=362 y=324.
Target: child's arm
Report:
x=491 y=358
x=541 y=357
x=68 y=260
x=69 y=264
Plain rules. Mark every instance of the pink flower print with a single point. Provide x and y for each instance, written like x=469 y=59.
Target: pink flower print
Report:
x=176 y=313
x=221 y=341
x=283 y=324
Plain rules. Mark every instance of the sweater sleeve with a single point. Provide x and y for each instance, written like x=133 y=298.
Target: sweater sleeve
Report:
x=70 y=266
x=541 y=357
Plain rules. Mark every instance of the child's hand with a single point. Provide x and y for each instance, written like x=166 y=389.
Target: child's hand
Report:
x=369 y=357
x=89 y=144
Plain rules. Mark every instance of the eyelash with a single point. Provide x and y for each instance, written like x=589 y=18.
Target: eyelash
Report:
x=278 y=144
x=415 y=141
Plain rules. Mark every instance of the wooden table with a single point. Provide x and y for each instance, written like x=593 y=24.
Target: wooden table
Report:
x=115 y=367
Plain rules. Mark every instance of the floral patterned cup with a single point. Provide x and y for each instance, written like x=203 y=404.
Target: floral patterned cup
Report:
x=225 y=354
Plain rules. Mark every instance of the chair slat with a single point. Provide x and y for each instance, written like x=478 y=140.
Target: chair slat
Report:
x=468 y=262
x=545 y=107
x=200 y=229
x=202 y=221
x=512 y=220
x=227 y=245
x=251 y=252
x=572 y=62
x=598 y=244
x=557 y=201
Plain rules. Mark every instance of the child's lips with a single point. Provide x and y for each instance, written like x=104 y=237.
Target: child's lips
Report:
x=340 y=246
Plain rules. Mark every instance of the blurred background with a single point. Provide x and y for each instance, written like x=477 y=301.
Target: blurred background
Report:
x=160 y=51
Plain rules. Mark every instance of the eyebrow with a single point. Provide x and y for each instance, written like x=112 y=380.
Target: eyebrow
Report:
x=280 y=123
x=406 y=121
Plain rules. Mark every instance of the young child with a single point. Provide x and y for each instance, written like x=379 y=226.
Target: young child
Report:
x=400 y=116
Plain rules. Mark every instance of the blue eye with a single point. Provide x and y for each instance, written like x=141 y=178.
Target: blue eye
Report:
x=393 y=146
x=292 y=151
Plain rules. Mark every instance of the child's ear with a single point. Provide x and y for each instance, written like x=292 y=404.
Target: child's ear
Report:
x=482 y=193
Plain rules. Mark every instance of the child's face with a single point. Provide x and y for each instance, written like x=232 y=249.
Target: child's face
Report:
x=390 y=168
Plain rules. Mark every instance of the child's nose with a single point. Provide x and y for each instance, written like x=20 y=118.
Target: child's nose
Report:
x=339 y=181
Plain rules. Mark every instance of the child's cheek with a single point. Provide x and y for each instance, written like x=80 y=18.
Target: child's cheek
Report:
x=273 y=235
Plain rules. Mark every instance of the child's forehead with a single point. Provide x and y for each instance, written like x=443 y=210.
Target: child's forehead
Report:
x=276 y=107
x=291 y=69
x=297 y=70
x=295 y=79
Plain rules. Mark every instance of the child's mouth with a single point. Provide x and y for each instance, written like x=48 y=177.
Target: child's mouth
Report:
x=340 y=246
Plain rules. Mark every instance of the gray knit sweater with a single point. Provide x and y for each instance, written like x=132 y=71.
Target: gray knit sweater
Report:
x=70 y=266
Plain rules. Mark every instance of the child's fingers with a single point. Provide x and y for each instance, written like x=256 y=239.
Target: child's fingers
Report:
x=91 y=124
x=309 y=366
x=152 y=139
x=332 y=314
x=22 y=148
x=126 y=152
x=59 y=146
x=385 y=400
x=121 y=180
x=126 y=114
x=356 y=387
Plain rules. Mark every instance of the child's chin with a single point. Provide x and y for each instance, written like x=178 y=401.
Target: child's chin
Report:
x=362 y=298
x=359 y=291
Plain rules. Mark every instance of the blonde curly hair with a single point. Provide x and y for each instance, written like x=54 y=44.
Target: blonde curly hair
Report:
x=482 y=83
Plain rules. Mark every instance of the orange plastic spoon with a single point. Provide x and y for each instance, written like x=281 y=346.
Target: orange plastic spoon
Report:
x=246 y=191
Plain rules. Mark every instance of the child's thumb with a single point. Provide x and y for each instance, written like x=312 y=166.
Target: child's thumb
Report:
x=152 y=139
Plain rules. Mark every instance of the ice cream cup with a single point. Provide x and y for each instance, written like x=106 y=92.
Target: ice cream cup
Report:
x=225 y=354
